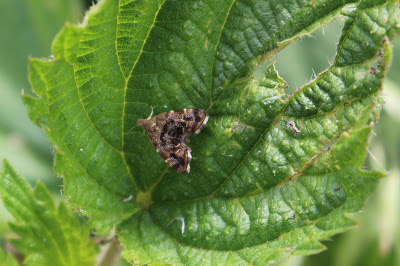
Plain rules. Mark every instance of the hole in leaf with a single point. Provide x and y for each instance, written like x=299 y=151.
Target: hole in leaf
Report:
x=299 y=62
x=88 y=3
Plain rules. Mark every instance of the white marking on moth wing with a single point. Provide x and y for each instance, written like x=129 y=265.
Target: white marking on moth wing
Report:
x=189 y=158
x=206 y=120
x=202 y=125
x=188 y=168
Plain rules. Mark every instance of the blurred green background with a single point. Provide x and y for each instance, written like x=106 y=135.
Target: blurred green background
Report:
x=27 y=28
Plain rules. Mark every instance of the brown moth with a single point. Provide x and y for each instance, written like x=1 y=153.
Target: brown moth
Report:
x=167 y=132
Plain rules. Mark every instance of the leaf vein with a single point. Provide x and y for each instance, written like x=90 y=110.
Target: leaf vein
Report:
x=215 y=51
x=125 y=91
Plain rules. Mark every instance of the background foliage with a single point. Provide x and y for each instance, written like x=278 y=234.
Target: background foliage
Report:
x=31 y=33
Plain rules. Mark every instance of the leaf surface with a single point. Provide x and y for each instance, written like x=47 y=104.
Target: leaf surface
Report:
x=271 y=175
x=7 y=259
x=49 y=235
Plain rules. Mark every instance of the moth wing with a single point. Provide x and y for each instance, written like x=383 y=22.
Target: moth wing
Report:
x=195 y=119
x=180 y=158
x=167 y=132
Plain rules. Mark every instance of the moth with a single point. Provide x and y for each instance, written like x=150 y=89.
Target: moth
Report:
x=167 y=132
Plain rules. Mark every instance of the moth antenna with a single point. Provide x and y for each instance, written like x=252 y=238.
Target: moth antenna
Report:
x=132 y=129
x=151 y=114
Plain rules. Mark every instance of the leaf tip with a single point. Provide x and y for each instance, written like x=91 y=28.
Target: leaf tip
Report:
x=8 y=169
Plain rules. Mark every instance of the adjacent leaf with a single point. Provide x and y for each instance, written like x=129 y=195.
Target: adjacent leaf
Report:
x=7 y=259
x=48 y=235
x=271 y=174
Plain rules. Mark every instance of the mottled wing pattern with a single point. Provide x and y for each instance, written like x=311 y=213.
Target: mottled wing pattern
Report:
x=179 y=159
x=193 y=119
x=167 y=132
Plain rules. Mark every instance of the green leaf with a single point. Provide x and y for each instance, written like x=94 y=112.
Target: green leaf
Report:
x=272 y=174
x=49 y=235
x=7 y=259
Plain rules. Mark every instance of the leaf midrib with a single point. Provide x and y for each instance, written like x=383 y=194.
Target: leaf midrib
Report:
x=126 y=85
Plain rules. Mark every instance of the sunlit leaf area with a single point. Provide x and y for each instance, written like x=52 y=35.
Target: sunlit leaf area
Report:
x=292 y=159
